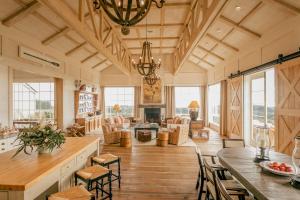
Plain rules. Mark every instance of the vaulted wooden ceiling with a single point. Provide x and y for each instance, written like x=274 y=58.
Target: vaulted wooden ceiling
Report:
x=236 y=25
x=206 y=32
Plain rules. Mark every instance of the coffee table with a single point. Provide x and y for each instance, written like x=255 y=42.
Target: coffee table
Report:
x=151 y=126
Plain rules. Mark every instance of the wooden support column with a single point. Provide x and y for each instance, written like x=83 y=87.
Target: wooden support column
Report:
x=59 y=102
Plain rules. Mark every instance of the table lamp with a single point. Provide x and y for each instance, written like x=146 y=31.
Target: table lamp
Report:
x=194 y=110
x=263 y=143
x=117 y=108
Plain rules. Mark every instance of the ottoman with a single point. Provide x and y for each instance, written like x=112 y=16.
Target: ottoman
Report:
x=163 y=138
x=144 y=135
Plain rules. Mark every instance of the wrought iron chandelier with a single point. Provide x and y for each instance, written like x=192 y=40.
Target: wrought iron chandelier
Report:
x=146 y=65
x=152 y=79
x=128 y=12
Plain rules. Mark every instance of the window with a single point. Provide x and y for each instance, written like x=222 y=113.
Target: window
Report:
x=214 y=92
x=260 y=108
x=124 y=96
x=33 y=101
x=183 y=97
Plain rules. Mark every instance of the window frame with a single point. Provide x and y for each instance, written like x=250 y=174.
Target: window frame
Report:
x=208 y=103
x=123 y=87
x=199 y=99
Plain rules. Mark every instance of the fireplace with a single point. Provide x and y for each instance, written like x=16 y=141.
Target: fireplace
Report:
x=152 y=115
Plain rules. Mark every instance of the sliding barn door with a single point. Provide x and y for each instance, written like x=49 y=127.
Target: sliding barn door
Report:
x=287 y=104
x=235 y=107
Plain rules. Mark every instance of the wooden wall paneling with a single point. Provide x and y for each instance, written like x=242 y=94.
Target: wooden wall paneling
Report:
x=287 y=124
x=235 y=107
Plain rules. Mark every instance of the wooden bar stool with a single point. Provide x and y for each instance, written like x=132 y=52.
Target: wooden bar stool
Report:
x=77 y=192
x=106 y=160
x=94 y=174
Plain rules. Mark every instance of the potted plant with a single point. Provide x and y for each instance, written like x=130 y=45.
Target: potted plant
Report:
x=43 y=138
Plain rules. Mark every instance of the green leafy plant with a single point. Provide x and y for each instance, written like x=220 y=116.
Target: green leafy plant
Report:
x=42 y=137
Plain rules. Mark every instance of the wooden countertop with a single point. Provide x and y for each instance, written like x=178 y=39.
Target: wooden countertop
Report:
x=263 y=185
x=20 y=172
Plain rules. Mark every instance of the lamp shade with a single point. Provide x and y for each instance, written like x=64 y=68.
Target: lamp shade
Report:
x=194 y=105
x=117 y=108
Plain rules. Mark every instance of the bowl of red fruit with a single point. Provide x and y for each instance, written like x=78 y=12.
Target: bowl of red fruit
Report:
x=279 y=168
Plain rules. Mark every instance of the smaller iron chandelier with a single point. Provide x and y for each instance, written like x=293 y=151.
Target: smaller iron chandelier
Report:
x=152 y=79
x=126 y=13
x=146 y=65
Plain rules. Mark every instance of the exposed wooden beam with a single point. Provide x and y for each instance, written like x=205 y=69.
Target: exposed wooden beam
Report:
x=20 y=14
x=80 y=46
x=81 y=10
x=223 y=43
x=63 y=10
x=285 y=5
x=202 y=60
x=98 y=64
x=56 y=36
x=179 y=4
x=162 y=47
x=211 y=53
x=90 y=57
x=151 y=38
x=239 y=27
x=156 y=25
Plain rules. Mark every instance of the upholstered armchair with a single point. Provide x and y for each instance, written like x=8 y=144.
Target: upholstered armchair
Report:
x=179 y=133
x=111 y=136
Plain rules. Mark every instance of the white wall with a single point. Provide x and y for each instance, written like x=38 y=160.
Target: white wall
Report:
x=68 y=101
x=4 y=100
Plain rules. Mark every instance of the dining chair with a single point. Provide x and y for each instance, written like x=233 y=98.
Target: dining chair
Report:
x=201 y=174
x=231 y=190
x=230 y=143
x=214 y=171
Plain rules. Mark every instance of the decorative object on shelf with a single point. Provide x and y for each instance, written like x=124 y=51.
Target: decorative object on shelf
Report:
x=117 y=109
x=82 y=87
x=295 y=181
x=126 y=13
x=45 y=138
x=152 y=79
x=263 y=143
x=194 y=110
x=77 y=84
x=76 y=130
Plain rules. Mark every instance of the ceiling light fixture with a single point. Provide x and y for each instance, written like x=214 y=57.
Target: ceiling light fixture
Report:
x=152 y=79
x=126 y=12
x=146 y=65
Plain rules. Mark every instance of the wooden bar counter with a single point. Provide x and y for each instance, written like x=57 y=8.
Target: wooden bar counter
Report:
x=263 y=185
x=28 y=177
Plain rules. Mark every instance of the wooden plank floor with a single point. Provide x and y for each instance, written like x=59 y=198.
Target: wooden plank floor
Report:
x=151 y=172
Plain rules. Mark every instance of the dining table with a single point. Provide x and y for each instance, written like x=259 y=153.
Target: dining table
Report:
x=261 y=183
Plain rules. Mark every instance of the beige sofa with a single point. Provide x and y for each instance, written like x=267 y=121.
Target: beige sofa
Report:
x=118 y=122
x=178 y=130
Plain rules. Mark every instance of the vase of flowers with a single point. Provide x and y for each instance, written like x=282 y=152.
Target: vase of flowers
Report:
x=42 y=138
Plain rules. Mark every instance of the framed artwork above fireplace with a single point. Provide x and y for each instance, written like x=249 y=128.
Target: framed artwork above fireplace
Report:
x=152 y=93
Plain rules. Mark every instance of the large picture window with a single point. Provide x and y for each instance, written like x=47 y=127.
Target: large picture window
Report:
x=214 y=93
x=124 y=96
x=183 y=97
x=33 y=101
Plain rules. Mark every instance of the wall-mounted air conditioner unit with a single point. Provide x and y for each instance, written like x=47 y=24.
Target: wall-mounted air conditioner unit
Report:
x=38 y=57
